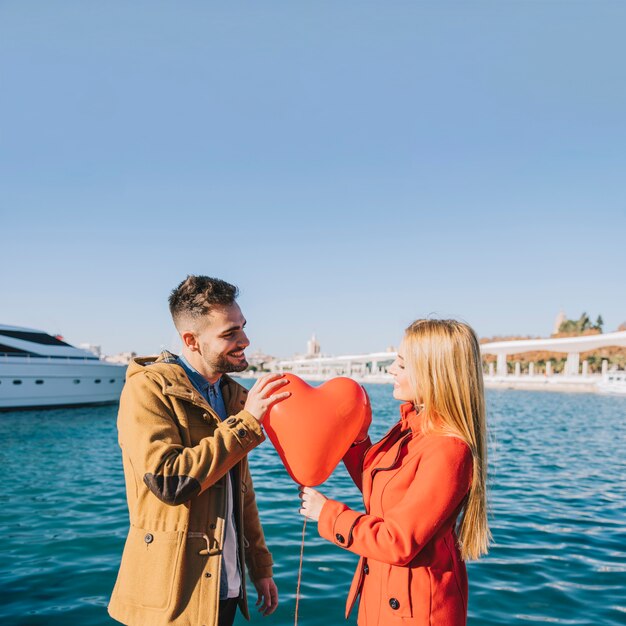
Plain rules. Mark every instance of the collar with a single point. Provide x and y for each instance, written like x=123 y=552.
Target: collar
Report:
x=196 y=378
x=175 y=381
x=409 y=417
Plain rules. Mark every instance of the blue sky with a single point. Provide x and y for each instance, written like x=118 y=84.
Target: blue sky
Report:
x=351 y=166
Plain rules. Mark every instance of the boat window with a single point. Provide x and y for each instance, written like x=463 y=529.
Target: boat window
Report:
x=76 y=381
x=97 y=381
x=39 y=382
x=41 y=338
x=112 y=380
x=17 y=382
x=4 y=349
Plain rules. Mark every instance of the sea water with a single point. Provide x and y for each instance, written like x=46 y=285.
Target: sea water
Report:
x=557 y=510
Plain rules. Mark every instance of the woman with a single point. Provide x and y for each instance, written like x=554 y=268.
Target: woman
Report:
x=423 y=486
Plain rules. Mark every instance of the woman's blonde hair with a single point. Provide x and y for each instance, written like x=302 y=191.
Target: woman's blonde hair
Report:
x=443 y=363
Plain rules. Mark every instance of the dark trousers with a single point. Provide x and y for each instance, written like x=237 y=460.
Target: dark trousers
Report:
x=228 y=608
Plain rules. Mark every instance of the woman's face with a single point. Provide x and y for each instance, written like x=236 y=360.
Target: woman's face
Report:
x=401 y=386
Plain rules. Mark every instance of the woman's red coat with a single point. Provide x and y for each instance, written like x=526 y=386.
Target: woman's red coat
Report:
x=414 y=486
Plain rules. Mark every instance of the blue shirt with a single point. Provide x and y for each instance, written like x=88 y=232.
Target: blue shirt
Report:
x=230 y=580
x=210 y=392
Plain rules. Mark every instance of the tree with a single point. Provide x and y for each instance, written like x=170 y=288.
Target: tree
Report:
x=582 y=324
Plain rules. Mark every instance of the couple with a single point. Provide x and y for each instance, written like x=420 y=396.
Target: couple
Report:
x=185 y=429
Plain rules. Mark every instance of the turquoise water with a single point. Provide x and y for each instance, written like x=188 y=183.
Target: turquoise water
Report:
x=558 y=501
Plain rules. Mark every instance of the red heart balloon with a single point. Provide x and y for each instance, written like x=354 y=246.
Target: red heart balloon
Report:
x=313 y=428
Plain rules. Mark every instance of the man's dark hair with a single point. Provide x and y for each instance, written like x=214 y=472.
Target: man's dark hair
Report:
x=197 y=295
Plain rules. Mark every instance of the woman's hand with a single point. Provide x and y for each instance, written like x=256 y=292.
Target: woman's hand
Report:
x=367 y=421
x=260 y=397
x=312 y=503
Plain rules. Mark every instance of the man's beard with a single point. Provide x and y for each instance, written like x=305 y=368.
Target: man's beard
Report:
x=222 y=365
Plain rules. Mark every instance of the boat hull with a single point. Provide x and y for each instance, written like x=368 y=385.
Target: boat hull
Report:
x=43 y=382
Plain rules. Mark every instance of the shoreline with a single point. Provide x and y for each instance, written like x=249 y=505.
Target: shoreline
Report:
x=566 y=384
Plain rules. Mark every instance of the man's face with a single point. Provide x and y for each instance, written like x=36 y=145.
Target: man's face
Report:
x=223 y=340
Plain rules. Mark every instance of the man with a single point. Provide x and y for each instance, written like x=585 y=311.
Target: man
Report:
x=185 y=428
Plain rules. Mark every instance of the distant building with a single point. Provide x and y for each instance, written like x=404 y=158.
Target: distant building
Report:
x=313 y=350
x=97 y=350
x=312 y=347
x=259 y=361
x=122 y=357
x=560 y=318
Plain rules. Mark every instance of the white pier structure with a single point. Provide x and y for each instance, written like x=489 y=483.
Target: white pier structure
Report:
x=572 y=346
x=576 y=377
x=363 y=367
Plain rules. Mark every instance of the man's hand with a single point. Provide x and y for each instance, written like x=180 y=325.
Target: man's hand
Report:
x=260 y=397
x=312 y=503
x=267 y=595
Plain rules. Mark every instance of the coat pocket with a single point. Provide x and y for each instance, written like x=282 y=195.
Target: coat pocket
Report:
x=398 y=600
x=447 y=606
x=150 y=563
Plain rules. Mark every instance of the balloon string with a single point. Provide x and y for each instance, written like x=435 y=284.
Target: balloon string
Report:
x=300 y=572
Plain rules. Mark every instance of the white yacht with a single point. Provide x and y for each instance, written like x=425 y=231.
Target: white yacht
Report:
x=40 y=370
